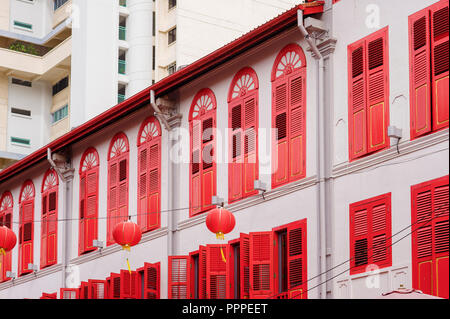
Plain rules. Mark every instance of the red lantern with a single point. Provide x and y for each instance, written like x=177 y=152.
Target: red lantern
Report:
x=7 y=240
x=220 y=221
x=127 y=234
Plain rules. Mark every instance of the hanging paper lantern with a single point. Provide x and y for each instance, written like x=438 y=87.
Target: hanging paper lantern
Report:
x=7 y=240
x=127 y=234
x=220 y=221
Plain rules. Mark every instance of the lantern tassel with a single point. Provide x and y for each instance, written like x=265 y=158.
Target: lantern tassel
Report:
x=129 y=268
x=126 y=247
x=223 y=255
x=2 y=252
x=220 y=235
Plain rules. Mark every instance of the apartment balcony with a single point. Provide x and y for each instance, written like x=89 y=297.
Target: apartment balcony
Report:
x=122 y=67
x=47 y=65
x=122 y=33
x=120 y=98
x=123 y=10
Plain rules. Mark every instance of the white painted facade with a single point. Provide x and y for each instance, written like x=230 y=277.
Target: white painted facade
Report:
x=420 y=160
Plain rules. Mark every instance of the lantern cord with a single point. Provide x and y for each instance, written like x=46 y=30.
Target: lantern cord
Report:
x=129 y=268
x=223 y=255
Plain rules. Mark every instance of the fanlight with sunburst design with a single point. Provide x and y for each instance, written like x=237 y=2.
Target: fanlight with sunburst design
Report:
x=203 y=104
x=119 y=146
x=243 y=85
x=27 y=192
x=149 y=131
x=288 y=63
x=7 y=202
x=90 y=161
x=50 y=181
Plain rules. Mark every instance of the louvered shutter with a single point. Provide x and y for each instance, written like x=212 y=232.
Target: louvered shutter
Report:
x=143 y=211
x=84 y=290
x=69 y=293
x=280 y=149
x=440 y=63
x=215 y=272
x=52 y=226
x=377 y=91
x=123 y=189
x=178 y=272
x=297 y=107
x=151 y=281
x=195 y=189
x=208 y=186
x=380 y=252
x=82 y=223
x=49 y=296
x=91 y=208
x=97 y=289
x=236 y=152
x=430 y=217
x=202 y=270
x=128 y=284
x=360 y=242
x=44 y=231
x=5 y=260
x=114 y=286
x=261 y=266
x=420 y=86
x=297 y=260
x=113 y=194
x=357 y=100
x=244 y=266
x=26 y=247
x=154 y=176
x=250 y=142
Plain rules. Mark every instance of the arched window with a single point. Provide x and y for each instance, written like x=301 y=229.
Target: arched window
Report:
x=6 y=210
x=202 y=124
x=88 y=224
x=118 y=157
x=243 y=134
x=289 y=116
x=26 y=227
x=149 y=175
x=49 y=224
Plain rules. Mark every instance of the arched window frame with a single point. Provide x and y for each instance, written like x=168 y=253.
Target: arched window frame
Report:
x=6 y=218
x=149 y=175
x=118 y=176
x=26 y=227
x=49 y=217
x=202 y=174
x=243 y=113
x=289 y=116
x=88 y=223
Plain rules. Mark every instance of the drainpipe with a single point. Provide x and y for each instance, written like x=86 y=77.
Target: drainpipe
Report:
x=320 y=154
x=66 y=177
x=170 y=222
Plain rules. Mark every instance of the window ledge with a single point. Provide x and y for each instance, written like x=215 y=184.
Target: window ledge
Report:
x=30 y=277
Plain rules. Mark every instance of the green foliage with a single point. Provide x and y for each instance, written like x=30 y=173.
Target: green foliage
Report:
x=23 y=47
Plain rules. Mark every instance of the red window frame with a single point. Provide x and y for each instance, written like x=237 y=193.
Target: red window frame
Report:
x=149 y=175
x=430 y=236
x=296 y=253
x=289 y=116
x=89 y=179
x=6 y=218
x=118 y=176
x=49 y=296
x=429 y=79
x=243 y=114
x=69 y=293
x=368 y=94
x=238 y=271
x=216 y=272
x=26 y=226
x=49 y=217
x=178 y=277
x=149 y=281
x=196 y=284
x=261 y=265
x=370 y=222
x=97 y=289
x=202 y=173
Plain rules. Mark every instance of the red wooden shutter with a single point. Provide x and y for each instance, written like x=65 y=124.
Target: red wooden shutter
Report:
x=250 y=142
x=82 y=223
x=114 y=286
x=215 y=272
x=196 y=168
x=6 y=260
x=84 y=290
x=44 y=233
x=49 y=296
x=52 y=226
x=297 y=113
x=420 y=86
x=177 y=277
x=113 y=193
x=208 y=175
x=440 y=63
x=122 y=188
x=202 y=270
x=128 y=284
x=370 y=233
x=91 y=209
x=280 y=149
x=297 y=260
x=377 y=90
x=430 y=237
x=69 y=293
x=244 y=266
x=143 y=212
x=97 y=289
x=26 y=236
x=236 y=152
x=154 y=189
x=151 y=281
x=261 y=265
x=357 y=100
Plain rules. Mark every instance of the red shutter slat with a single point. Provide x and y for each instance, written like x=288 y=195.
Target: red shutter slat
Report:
x=178 y=273
x=440 y=63
x=245 y=266
x=152 y=279
x=280 y=149
x=215 y=272
x=297 y=260
x=260 y=264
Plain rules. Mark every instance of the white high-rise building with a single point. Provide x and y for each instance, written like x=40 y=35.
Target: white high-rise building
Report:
x=62 y=62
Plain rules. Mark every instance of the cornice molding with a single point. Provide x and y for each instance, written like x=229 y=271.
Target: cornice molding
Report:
x=32 y=276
